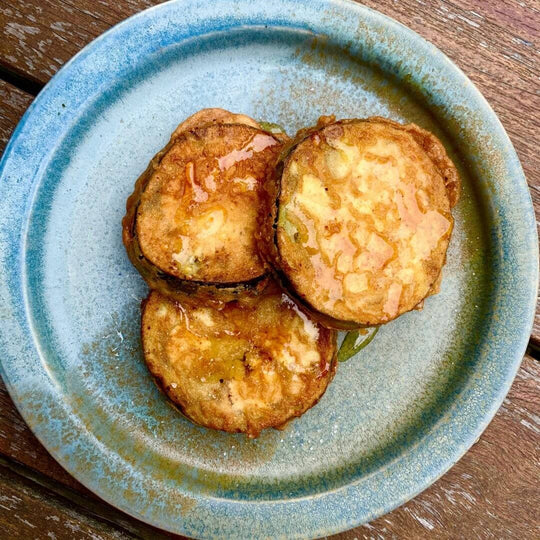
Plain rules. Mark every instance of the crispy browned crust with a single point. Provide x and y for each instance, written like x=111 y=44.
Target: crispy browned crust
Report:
x=215 y=115
x=267 y=240
x=155 y=277
x=156 y=334
x=159 y=278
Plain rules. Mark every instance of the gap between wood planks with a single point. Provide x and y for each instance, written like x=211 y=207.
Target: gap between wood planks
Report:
x=20 y=81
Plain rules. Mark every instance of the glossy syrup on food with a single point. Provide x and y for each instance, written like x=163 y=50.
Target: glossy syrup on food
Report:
x=244 y=366
x=365 y=212
x=197 y=216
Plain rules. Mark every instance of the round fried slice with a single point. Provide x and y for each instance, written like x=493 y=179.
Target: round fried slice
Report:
x=361 y=220
x=250 y=365
x=190 y=223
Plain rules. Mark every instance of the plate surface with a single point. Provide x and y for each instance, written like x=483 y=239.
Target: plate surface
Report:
x=396 y=417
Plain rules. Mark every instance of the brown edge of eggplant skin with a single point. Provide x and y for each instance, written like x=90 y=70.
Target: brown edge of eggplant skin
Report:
x=157 y=379
x=268 y=217
x=171 y=286
x=164 y=389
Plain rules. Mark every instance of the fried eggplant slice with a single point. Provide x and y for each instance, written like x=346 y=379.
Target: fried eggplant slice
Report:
x=241 y=367
x=190 y=222
x=358 y=219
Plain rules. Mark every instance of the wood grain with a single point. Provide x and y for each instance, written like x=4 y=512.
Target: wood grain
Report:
x=39 y=36
x=495 y=43
x=13 y=103
x=28 y=511
x=491 y=492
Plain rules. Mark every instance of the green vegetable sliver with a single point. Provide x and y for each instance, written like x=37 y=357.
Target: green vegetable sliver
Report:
x=355 y=341
x=271 y=127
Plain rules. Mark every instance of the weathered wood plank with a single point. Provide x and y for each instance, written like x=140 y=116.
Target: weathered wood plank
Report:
x=495 y=44
x=39 y=36
x=29 y=511
x=13 y=103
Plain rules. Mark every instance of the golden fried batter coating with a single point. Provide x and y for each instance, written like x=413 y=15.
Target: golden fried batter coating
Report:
x=190 y=223
x=247 y=366
x=362 y=220
x=197 y=215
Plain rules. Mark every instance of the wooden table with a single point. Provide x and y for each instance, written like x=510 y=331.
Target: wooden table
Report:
x=493 y=491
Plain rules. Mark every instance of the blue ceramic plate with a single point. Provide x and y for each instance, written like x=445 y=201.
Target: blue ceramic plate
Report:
x=396 y=417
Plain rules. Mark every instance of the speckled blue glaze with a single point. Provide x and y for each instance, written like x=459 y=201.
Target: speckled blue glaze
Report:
x=396 y=417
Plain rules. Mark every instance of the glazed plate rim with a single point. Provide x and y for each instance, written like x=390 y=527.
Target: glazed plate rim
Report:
x=463 y=427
